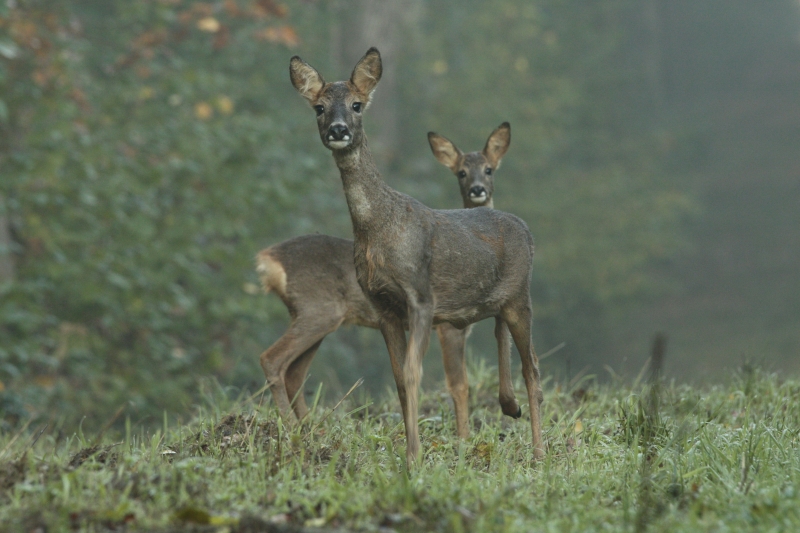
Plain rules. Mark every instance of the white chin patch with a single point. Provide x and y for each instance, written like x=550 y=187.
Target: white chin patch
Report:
x=478 y=199
x=338 y=145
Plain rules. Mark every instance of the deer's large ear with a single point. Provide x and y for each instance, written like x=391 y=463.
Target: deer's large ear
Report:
x=305 y=78
x=444 y=151
x=497 y=144
x=367 y=73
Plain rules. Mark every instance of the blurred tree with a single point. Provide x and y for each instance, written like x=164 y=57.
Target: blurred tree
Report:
x=392 y=27
x=731 y=69
x=145 y=163
x=6 y=257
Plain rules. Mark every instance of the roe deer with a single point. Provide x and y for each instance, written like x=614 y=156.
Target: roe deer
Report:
x=420 y=266
x=315 y=278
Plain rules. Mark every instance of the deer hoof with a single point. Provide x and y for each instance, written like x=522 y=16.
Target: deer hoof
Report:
x=538 y=453
x=512 y=410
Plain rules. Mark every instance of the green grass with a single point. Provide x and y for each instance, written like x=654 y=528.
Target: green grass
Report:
x=718 y=458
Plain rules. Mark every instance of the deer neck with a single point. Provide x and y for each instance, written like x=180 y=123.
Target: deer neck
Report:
x=368 y=197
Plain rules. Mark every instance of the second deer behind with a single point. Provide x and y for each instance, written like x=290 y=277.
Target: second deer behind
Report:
x=315 y=278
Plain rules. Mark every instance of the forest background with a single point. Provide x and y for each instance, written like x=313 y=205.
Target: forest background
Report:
x=149 y=148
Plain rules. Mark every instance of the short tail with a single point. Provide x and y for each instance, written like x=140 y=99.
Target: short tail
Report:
x=271 y=272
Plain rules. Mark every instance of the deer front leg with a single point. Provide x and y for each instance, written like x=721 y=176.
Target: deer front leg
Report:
x=420 y=321
x=518 y=319
x=395 y=337
x=508 y=400
x=453 y=341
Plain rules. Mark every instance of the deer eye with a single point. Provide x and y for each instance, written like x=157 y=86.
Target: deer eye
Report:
x=319 y=109
x=462 y=174
x=357 y=107
x=489 y=171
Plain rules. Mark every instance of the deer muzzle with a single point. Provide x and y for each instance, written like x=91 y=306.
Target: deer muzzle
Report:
x=339 y=136
x=477 y=194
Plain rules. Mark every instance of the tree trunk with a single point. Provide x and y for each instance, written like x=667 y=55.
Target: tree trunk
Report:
x=390 y=27
x=6 y=259
x=653 y=54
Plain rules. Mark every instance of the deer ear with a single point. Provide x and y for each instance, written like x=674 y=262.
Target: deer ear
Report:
x=305 y=78
x=367 y=73
x=497 y=144
x=444 y=151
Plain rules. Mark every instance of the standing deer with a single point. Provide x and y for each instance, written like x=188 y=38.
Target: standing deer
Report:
x=420 y=266
x=315 y=278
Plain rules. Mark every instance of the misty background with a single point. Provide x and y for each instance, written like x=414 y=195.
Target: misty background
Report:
x=149 y=149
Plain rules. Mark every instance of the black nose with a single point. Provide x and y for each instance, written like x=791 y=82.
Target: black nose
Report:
x=338 y=132
x=477 y=190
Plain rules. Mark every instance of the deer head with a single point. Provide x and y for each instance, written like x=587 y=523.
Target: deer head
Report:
x=474 y=170
x=339 y=105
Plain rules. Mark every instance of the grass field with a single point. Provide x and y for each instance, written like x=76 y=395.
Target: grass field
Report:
x=620 y=458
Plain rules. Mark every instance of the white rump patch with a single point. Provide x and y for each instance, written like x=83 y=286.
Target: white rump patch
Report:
x=271 y=272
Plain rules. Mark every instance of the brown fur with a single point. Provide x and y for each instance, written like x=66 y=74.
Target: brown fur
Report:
x=475 y=169
x=435 y=267
x=316 y=280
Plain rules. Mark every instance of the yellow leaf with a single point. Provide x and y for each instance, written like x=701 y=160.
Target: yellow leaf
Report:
x=225 y=105
x=46 y=382
x=483 y=450
x=203 y=111
x=145 y=93
x=223 y=521
x=440 y=67
x=209 y=24
x=193 y=515
x=249 y=288
x=578 y=427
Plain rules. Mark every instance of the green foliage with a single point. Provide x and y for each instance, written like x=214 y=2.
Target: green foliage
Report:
x=145 y=173
x=237 y=467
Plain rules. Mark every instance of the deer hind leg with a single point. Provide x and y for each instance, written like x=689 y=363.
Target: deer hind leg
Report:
x=453 y=343
x=518 y=319
x=296 y=378
x=508 y=400
x=277 y=359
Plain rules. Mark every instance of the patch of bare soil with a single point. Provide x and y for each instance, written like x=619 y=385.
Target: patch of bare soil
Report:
x=233 y=431
x=12 y=472
x=100 y=454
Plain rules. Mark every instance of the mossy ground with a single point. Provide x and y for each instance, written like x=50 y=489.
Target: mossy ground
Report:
x=715 y=458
